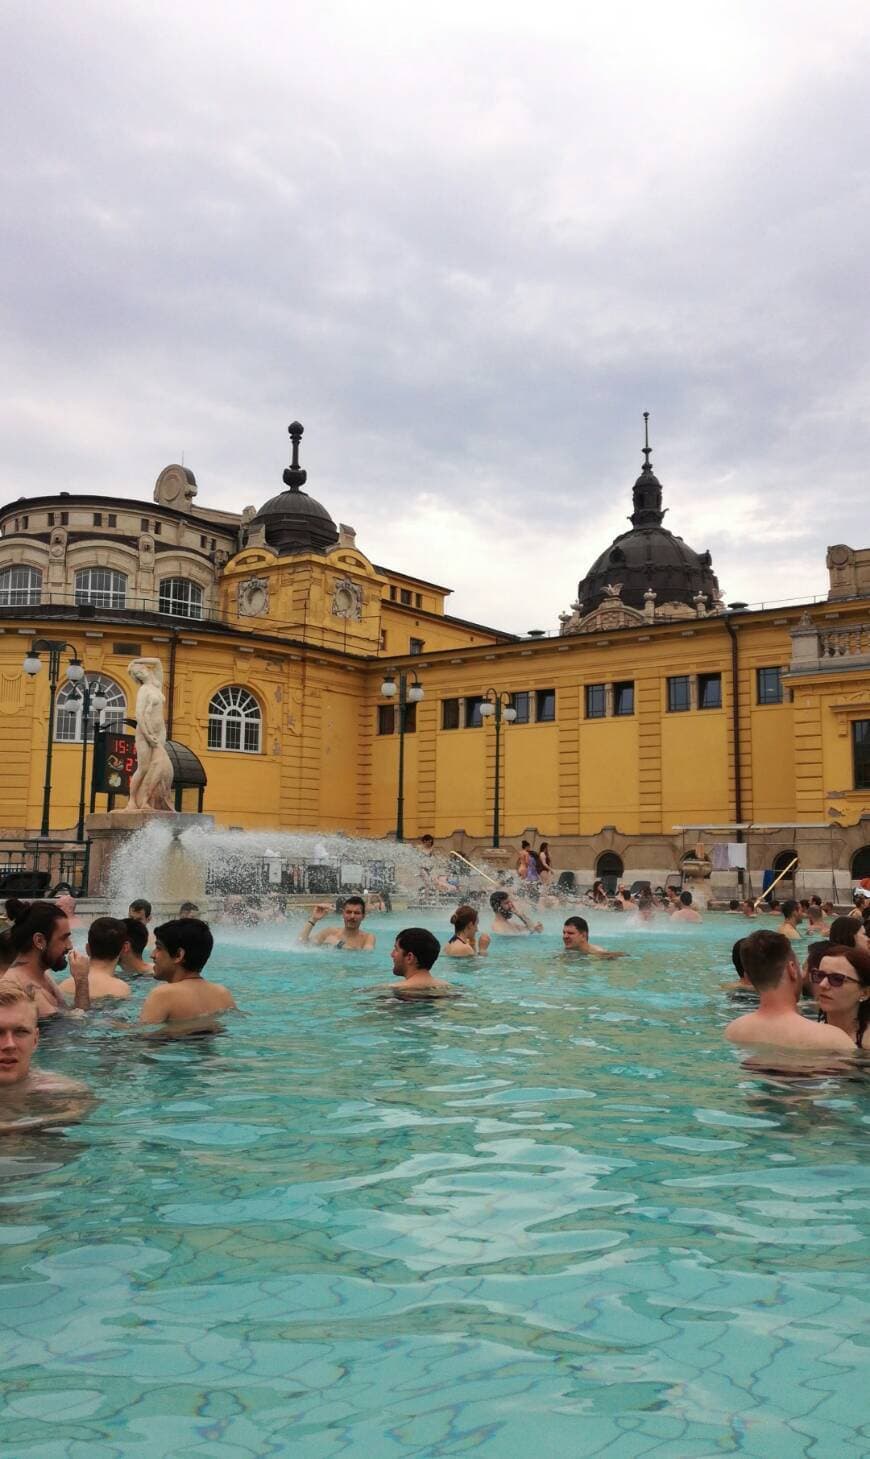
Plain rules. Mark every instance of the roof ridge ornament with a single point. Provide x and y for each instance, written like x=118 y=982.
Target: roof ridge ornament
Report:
x=295 y=476
x=647 y=493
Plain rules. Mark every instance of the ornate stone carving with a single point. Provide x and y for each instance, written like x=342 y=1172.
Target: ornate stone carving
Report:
x=57 y=548
x=347 y=600
x=152 y=783
x=175 y=487
x=253 y=597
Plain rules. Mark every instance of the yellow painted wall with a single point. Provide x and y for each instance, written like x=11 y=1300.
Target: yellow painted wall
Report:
x=609 y=775
x=460 y=768
x=695 y=768
x=530 y=778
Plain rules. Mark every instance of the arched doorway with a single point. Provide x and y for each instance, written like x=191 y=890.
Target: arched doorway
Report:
x=861 y=864
x=610 y=870
x=782 y=859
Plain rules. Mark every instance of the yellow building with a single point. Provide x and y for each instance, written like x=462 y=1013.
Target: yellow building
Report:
x=653 y=707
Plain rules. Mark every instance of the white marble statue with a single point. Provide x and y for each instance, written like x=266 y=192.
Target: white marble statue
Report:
x=152 y=783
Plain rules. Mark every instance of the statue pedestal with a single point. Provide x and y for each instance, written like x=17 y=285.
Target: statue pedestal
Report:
x=697 y=871
x=173 y=877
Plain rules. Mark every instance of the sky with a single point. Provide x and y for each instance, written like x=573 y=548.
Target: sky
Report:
x=467 y=245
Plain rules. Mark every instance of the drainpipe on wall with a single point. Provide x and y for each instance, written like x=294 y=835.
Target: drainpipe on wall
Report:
x=735 y=734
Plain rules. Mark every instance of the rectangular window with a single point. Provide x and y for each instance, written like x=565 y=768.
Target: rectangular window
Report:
x=393 y=592
x=386 y=719
x=450 y=714
x=51 y=519
x=709 y=691
x=473 y=716
x=405 y=596
x=679 y=694
x=769 y=686
x=410 y=718
x=418 y=600
x=416 y=646
x=623 y=697
x=596 y=701
x=202 y=542
x=25 y=523
x=157 y=526
x=545 y=705
x=861 y=753
x=522 y=703
x=64 y=519
x=113 y=519
x=98 y=519
x=144 y=524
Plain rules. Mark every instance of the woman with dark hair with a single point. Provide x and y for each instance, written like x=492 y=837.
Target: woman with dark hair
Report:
x=598 y=895
x=41 y=945
x=466 y=942
x=849 y=932
x=841 y=986
x=545 y=865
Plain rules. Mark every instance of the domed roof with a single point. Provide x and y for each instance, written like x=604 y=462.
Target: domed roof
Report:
x=293 y=520
x=648 y=557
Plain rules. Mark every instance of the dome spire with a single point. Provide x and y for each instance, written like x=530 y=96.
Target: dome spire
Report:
x=647 y=489
x=295 y=477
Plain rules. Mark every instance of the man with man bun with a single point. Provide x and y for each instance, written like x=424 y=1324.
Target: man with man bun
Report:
x=41 y=944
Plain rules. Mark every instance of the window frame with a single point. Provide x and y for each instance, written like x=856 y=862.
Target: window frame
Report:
x=672 y=681
x=471 y=707
x=767 y=698
x=112 y=596
x=385 y=720
x=449 y=713
x=193 y=588
x=708 y=680
x=69 y=705
x=241 y=706
x=540 y=699
x=589 y=702
x=17 y=595
x=622 y=685
x=525 y=694
x=860 y=763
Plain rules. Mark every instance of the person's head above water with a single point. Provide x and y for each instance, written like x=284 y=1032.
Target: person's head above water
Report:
x=841 y=987
x=19 y=1033
x=353 y=909
x=40 y=932
x=848 y=932
x=181 y=948
x=188 y=909
x=500 y=903
x=141 y=909
x=107 y=937
x=415 y=950
x=791 y=910
x=686 y=899
x=768 y=960
x=137 y=935
x=575 y=932
x=464 y=918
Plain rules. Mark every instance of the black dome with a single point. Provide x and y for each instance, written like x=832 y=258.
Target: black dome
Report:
x=293 y=520
x=649 y=556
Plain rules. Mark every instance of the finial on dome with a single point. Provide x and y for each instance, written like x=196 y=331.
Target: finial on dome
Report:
x=647 y=490
x=295 y=477
x=646 y=445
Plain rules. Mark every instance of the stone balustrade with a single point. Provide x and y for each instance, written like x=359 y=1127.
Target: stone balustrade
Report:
x=814 y=647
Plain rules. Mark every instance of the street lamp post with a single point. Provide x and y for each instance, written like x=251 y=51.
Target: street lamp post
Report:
x=409 y=693
x=498 y=707
x=75 y=673
x=96 y=701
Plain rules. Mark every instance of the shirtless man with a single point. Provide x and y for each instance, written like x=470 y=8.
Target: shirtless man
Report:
x=42 y=945
x=686 y=912
x=108 y=938
x=575 y=938
x=132 y=963
x=771 y=967
x=414 y=954
x=791 y=918
x=187 y=1003
x=19 y=1084
x=350 y=937
x=505 y=910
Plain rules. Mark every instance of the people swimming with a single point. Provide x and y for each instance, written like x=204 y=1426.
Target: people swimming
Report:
x=350 y=937
x=108 y=940
x=414 y=954
x=41 y=943
x=31 y=1098
x=685 y=911
x=505 y=910
x=467 y=939
x=186 y=1003
x=771 y=967
x=575 y=938
x=841 y=988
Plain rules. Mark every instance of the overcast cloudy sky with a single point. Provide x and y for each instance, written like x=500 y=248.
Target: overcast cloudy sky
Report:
x=467 y=244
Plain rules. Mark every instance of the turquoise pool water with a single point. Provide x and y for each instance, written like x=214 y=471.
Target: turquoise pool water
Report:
x=552 y=1219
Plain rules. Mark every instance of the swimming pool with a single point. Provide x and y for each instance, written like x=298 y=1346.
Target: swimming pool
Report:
x=553 y=1218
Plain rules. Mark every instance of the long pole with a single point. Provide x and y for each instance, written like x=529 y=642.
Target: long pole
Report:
x=86 y=714
x=53 y=671
x=776 y=879
x=400 y=803
x=496 y=828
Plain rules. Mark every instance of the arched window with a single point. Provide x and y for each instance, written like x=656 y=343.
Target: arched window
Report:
x=609 y=868
x=861 y=864
x=181 y=598
x=20 y=586
x=101 y=586
x=70 y=703
x=234 y=720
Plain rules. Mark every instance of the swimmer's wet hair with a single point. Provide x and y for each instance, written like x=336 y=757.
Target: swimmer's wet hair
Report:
x=498 y=899
x=106 y=937
x=10 y=994
x=579 y=922
x=187 y=935
x=137 y=934
x=844 y=930
x=31 y=919
x=765 y=956
x=142 y=904
x=353 y=901
x=422 y=943
x=463 y=917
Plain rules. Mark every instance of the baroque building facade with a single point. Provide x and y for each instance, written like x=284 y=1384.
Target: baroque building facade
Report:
x=654 y=711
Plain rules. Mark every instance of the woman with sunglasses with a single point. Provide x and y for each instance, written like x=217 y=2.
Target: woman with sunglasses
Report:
x=841 y=987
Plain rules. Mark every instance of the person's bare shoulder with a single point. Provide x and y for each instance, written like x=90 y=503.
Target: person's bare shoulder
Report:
x=828 y=1037
x=225 y=998
x=157 y=1006
x=370 y=942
